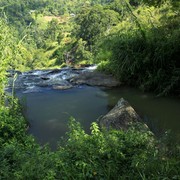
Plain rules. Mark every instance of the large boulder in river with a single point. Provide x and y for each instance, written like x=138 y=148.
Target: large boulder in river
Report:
x=94 y=78
x=120 y=116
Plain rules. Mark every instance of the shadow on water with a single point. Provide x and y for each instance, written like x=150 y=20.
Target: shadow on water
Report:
x=48 y=111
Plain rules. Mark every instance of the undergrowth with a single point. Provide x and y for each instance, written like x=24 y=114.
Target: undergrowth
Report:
x=143 y=50
x=131 y=154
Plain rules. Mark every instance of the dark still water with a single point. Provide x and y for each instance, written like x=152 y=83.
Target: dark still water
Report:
x=48 y=111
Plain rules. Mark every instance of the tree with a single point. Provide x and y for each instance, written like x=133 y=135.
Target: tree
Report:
x=6 y=54
x=94 y=22
x=52 y=30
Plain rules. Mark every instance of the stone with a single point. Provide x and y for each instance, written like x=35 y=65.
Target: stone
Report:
x=120 y=117
x=54 y=71
x=95 y=78
x=58 y=87
x=45 y=78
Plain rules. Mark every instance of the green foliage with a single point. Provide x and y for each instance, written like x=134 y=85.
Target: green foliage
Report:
x=104 y=66
x=100 y=155
x=142 y=50
x=113 y=154
x=12 y=124
x=94 y=22
x=8 y=55
x=145 y=54
x=16 y=13
x=79 y=33
x=81 y=53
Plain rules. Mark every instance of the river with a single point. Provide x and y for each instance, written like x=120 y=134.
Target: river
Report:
x=48 y=110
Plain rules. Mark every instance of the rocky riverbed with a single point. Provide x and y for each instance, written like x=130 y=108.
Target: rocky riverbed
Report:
x=61 y=79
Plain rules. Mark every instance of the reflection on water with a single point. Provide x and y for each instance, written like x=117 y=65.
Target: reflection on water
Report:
x=48 y=111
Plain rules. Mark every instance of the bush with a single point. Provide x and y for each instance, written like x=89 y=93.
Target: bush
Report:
x=113 y=154
x=145 y=48
x=131 y=154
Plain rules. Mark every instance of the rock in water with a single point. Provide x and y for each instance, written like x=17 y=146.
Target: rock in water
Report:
x=59 y=87
x=95 y=79
x=120 y=116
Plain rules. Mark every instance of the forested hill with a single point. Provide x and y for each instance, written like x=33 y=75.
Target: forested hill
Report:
x=136 y=41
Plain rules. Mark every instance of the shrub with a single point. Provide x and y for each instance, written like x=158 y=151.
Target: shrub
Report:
x=145 y=49
x=131 y=154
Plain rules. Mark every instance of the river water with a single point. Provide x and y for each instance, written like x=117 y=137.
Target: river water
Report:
x=48 y=110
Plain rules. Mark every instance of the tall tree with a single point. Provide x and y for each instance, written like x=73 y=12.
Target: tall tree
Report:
x=6 y=54
x=94 y=22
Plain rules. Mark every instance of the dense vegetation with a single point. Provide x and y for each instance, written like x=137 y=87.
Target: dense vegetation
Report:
x=145 y=52
x=138 y=42
x=133 y=154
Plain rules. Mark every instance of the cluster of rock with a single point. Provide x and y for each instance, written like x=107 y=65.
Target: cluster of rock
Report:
x=60 y=79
